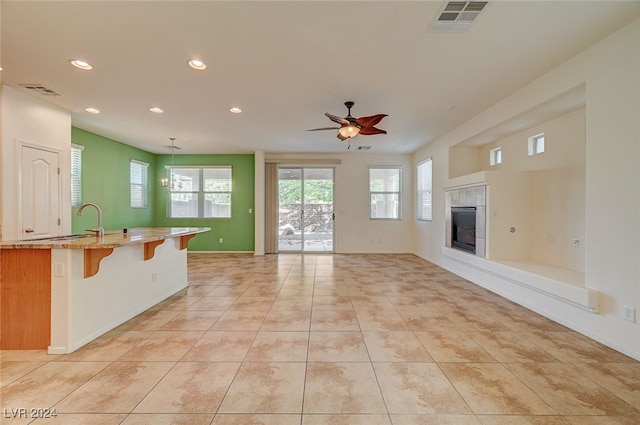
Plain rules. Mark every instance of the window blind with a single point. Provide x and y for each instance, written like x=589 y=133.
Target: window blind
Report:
x=424 y=184
x=384 y=193
x=138 y=179
x=76 y=175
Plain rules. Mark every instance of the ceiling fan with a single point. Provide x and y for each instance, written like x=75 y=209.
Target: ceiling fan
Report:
x=351 y=127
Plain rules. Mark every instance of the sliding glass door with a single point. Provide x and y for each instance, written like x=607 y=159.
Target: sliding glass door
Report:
x=305 y=209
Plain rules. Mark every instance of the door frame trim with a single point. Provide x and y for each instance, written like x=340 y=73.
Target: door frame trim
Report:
x=302 y=167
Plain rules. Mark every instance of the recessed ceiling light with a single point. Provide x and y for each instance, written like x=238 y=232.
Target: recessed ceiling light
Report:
x=156 y=110
x=92 y=110
x=235 y=110
x=81 y=64
x=197 y=64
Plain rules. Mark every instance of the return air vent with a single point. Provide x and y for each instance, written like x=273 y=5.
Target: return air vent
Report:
x=364 y=148
x=457 y=16
x=40 y=89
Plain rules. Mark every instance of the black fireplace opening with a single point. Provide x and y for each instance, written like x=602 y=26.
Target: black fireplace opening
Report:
x=463 y=228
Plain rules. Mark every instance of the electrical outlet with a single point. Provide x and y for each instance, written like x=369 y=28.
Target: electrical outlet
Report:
x=221 y=240
x=58 y=269
x=154 y=277
x=629 y=314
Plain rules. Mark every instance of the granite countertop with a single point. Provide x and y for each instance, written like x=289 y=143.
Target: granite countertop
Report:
x=111 y=239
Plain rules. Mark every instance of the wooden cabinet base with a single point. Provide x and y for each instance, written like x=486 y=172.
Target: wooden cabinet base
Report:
x=25 y=299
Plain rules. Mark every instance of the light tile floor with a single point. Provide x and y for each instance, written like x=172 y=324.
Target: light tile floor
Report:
x=327 y=339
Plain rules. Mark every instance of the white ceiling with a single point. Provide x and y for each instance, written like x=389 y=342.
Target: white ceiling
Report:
x=286 y=64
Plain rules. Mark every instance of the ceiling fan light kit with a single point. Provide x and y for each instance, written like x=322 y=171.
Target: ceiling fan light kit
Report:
x=351 y=127
x=349 y=131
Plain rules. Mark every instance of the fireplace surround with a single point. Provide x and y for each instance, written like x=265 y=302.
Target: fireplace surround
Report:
x=465 y=219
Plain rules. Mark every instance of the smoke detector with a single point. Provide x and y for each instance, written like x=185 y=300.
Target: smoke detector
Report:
x=457 y=16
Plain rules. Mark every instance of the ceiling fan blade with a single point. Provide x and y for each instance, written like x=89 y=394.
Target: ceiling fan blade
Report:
x=336 y=119
x=368 y=131
x=324 y=128
x=370 y=121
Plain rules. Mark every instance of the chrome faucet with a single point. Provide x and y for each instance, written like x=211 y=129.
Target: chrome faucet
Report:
x=99 y=231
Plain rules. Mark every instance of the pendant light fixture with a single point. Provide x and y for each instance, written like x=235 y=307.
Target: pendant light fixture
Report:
x=173 y=182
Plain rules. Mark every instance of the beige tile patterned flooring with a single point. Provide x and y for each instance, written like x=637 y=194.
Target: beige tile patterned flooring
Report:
x=328 y=339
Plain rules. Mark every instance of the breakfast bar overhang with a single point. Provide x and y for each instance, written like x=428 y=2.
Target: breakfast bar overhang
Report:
x=61 y=293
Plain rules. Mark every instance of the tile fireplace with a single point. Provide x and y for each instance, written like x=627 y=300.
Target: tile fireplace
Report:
x=465 y=219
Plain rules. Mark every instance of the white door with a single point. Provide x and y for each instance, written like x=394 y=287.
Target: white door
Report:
x=40 y=193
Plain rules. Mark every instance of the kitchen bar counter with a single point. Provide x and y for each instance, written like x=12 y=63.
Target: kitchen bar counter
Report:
x=109 y=240
x=61 y=293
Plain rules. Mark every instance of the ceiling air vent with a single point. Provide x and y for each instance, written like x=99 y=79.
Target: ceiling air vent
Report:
x=40 y=89
x=364 y=148
x=457 y=16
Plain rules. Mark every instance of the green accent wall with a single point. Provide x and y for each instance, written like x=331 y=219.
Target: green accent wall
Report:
x=239 y=230
x=105 y=182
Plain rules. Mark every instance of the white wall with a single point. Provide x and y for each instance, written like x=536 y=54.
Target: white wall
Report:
x=82 y=308
x=564 y=145
x=259 y=204
x=557 y=217
x=354 y=231
x=555 y=193
x=508 y=207
x=611 y=71
x=30 y=120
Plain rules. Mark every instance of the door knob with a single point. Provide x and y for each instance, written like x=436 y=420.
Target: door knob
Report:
x=29 y=230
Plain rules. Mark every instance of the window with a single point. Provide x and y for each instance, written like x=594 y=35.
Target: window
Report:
x=495 y=156
x=424 y=185
x=384 y=193
x=76 y=175
x=138 y=179
x=200 y=192
x=536 y=144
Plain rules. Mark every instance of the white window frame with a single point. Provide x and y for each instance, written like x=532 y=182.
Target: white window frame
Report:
x=398 y=209
x=535 y=144
x=424 y=185
x=495 y=156
x=176 y=191
x=138 y=192
x=76 y=175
